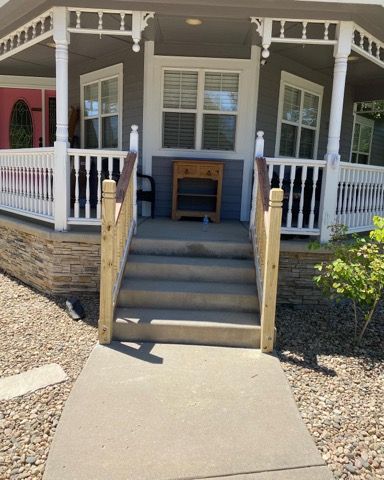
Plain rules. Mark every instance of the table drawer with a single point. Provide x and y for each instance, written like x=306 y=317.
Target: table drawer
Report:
x=210 y=171
x=186 y=170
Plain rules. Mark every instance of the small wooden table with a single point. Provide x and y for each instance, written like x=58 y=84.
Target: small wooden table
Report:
x=197 y=188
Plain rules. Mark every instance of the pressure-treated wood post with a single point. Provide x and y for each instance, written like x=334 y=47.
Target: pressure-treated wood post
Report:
x=271 y=270
x=107 y=273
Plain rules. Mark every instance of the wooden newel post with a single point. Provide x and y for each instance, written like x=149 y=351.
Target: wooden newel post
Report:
x=271 y=270
x=107 y=273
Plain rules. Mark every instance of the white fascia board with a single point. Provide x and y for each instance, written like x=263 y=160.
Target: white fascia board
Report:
x=355 y=2
x=13 y=81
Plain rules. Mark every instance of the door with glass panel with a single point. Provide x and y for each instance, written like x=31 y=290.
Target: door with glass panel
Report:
x=362 y=139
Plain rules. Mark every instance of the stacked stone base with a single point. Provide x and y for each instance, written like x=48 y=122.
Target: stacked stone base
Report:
x=53 y=262
x=296 y=272
x=62 y=263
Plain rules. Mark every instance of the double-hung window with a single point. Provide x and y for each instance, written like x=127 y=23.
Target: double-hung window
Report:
x=200 y=109
x=298 y=117
x=362 y=139
x=102 y=108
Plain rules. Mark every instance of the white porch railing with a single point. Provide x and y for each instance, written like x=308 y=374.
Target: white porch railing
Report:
x=26 y=182
x=301 y=182
x=88 y=170
x=360 y=195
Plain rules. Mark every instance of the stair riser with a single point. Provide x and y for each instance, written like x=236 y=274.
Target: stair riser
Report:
x=144 y=246
x=144 y=299
x=195 y=335
x=189 y=273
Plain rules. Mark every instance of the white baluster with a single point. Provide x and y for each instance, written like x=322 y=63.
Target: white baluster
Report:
x=49 y=180
x=281 y=175
x=315 y=178
x=100 y=26
x=304 y=32
x=370 y=209
x=270 y=173
x=344 y=191
x=326 y=31
x=290 y=199
x=110 y=167
x=122 y=21
x=40 y=185
x=361 y=40
x=121 y=164
x=134 y=139
x=353 y=207
x=350 y=213
x=76 y=206
x=301 y=204
x=87 y=189
x=44 y=179
x=339 y=212
x=78 y=19
x=282 y=29
x=98 y=208
x=42 y=23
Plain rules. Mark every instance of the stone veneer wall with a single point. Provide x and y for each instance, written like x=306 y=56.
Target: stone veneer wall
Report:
x=296 y=274
x=59 y=263
x=50 y=261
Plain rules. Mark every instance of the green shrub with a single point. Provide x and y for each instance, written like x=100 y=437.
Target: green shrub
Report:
x=356 y=271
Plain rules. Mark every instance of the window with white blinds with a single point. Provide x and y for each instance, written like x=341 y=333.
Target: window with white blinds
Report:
x=200 y=109
x=299 y=118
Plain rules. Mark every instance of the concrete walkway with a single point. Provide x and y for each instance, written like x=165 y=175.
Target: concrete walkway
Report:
x=167 y=412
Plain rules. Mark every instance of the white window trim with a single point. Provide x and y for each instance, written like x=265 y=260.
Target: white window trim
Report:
x=247 y=109
x=363 y=121
x=288 y=79
x=199 y=111
x=98 y=76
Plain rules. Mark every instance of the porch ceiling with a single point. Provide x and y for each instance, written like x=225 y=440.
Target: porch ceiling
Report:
x=370 y=17
x=172 y=30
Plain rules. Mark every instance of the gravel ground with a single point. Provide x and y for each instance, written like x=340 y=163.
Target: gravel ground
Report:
x=35 y=331
x=339 y=388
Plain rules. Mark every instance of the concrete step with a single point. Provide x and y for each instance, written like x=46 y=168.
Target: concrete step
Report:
x=191 y=248
x=162 y=267
x=221 y=328
x=195 y=295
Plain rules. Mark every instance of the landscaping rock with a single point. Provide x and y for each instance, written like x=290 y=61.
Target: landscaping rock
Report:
x=339 y=388
x=35 y=331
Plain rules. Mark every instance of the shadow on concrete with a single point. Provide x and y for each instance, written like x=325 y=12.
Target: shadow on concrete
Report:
x=141 y=351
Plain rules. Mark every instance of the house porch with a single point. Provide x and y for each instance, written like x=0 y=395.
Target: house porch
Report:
x=76 y=178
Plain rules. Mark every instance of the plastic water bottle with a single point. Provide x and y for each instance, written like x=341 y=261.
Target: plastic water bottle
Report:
x=205 y=223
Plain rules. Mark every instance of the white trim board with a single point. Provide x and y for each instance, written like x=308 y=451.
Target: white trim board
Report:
x=249 y=70
x=18 y=81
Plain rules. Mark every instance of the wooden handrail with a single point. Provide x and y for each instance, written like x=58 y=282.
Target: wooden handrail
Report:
x=263 y=181
x=117 y=228
x=265 y=232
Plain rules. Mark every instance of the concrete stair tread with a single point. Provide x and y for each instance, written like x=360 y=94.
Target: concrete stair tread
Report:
x=201 y=261
x=184 y=317
x=177 y=286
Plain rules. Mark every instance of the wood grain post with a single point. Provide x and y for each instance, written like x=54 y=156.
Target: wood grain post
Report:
x=107 y=274
x=271 y=270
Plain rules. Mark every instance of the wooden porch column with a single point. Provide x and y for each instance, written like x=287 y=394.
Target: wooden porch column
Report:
x=61 y=182
x=332 y=171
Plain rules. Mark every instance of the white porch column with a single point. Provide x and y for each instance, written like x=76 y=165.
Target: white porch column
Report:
x=61 y=183
x=332 y=171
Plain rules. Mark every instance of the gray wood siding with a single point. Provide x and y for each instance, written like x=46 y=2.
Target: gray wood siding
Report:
x=133 y=72
x=232 y=183
x=377 y=151
x=270 y=76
